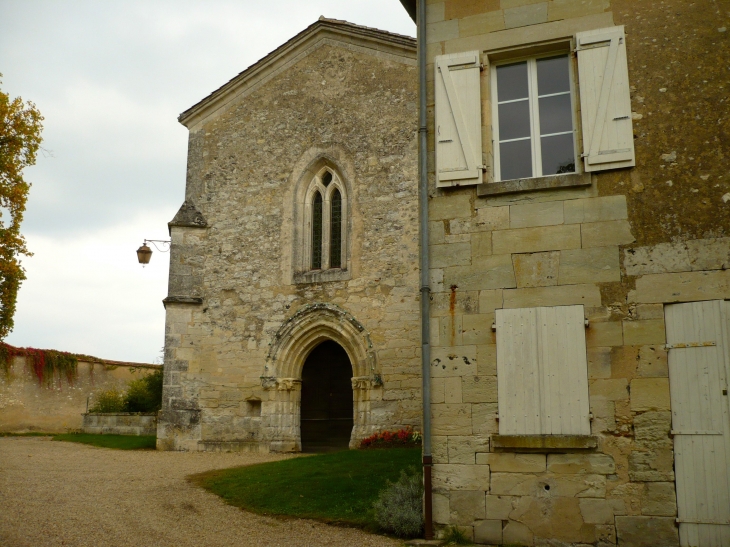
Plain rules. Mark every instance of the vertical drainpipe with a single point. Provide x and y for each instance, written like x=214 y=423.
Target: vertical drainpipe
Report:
x=425 y=275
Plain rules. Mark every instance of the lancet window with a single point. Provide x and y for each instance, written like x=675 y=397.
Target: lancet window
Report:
x=326 y=222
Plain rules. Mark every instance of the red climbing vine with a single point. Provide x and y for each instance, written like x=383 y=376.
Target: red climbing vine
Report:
x=46 y=364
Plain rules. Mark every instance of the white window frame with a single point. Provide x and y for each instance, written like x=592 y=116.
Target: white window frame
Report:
x=326 y=192
x=534 y=112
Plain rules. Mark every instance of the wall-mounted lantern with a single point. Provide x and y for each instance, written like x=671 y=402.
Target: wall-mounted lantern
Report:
x=144 y=253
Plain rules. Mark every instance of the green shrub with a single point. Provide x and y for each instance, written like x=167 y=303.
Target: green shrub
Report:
x=399 y=507
x=144 y=394
x=109 y=400
x=454 y=536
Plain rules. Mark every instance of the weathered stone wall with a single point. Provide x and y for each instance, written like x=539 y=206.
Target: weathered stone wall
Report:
x=120 y=423
x=28 y=405
x=352 y=108
x=630 y=242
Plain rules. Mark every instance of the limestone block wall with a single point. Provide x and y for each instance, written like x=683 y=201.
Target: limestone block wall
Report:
x=230 y=380
x=28 y=405
x=624 y=246
x=545 y=253
x=120 y=423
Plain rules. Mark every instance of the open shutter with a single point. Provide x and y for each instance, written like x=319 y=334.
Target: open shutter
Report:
x=458 y=119
x=603 y=74
x=542 y=372
x=697 y=343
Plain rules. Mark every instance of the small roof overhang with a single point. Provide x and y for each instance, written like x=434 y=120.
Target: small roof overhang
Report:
x=410 y=6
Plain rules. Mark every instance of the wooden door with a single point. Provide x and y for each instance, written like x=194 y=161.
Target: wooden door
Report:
x=697 y=340
x=326 y=404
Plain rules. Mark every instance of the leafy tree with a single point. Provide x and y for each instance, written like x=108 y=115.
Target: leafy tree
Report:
x=20 y=138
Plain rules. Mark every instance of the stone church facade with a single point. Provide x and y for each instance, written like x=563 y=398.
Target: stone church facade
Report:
x=297 y=249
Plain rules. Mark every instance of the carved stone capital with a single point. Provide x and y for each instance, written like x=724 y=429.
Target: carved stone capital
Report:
x=281 y=384
x=362 y=382
x=288 y=384
x=268 y=382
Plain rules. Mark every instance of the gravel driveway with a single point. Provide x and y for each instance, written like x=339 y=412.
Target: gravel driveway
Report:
x=58 y=493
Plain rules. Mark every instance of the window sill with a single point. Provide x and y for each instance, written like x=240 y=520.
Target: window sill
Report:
x=527 y=185
x=322 y=276
x=543 y=443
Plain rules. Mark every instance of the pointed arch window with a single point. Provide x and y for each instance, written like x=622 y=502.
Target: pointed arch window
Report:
x=336 y=230
x=326 y=223
x=317 y=224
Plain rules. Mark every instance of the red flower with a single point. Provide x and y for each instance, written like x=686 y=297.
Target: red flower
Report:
x=385 y=439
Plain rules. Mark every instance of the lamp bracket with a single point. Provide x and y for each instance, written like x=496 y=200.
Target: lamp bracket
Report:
x=166 y=243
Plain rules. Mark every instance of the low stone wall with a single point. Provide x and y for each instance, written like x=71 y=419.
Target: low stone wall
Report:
x=120 y=423
x=27 y=404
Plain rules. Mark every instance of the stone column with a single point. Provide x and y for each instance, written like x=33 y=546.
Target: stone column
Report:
x=280 y=414
x=364 y=388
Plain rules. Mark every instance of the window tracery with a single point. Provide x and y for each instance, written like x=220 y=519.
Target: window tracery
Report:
x=325 y=222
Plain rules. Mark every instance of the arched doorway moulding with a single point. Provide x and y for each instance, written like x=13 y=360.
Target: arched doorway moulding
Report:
x=291 y=345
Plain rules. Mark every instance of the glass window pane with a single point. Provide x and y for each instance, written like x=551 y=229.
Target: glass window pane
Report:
x=336 y=230
x=558 y=155
x=512 y=82
x=514 y=120
x=326 y=178
x=555 y=114
x=515 y=160
x=553 y=75
x=317 y=232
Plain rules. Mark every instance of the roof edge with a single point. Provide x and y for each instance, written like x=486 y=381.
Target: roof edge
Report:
x=398 y=41
x=410 y=6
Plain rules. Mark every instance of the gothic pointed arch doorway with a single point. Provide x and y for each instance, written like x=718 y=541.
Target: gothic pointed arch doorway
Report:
x=326 y=412
x=282 y=378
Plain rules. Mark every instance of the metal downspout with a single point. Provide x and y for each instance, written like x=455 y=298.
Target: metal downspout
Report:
x=425 y=274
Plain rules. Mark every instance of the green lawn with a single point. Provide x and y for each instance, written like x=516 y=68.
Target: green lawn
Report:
x=339 y=487
x=120 y=442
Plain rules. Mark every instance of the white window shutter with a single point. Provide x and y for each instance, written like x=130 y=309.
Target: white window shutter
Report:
x=458 y=119
x=518 y=376
x=542 y=371
x=603 y=74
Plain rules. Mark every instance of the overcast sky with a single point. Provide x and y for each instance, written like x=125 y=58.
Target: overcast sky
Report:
x=111 y=78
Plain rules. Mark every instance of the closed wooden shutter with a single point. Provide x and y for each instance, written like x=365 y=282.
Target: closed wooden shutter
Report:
x=542 y=373
x=697 y=341
x=608 y=134
x=458 y=119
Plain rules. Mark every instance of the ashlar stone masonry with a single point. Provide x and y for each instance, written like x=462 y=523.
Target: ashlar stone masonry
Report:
x=630 y=245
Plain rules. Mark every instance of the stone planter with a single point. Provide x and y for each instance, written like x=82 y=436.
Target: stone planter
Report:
x=120 y=423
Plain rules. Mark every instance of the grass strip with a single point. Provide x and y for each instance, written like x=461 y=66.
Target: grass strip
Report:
x=25 y=434
x=338 y=488
x=120 y=442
